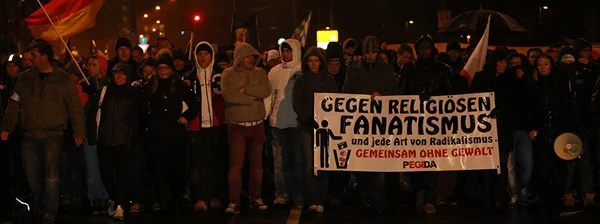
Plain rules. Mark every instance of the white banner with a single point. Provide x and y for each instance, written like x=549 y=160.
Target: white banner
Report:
x=405 y=134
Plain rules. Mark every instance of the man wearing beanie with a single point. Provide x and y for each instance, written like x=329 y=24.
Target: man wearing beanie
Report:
x=335 y=63
x=207 y=130
x=244 y=87
x=429 y=78
x=454 y=51
x=222 y=62
x=123 y=49
x=375 y=78
x=287 y=155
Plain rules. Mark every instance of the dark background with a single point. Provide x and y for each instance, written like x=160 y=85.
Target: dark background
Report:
x=278 y=18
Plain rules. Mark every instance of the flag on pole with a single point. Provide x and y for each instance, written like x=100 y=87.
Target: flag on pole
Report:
x=477 y=59
x=244 y=31
x=69 y=16
x=301 y=31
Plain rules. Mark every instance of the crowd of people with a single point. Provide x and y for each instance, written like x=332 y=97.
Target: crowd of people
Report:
x=150 y=131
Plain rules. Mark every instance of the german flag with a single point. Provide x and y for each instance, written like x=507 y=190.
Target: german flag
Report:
x=69 y=16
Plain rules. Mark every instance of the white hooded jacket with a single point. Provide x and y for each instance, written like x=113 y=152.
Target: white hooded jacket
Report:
x=205 y=78
x=282 y=77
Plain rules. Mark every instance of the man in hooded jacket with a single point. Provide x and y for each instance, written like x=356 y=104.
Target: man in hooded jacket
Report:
x=207 y=130
x=282 y=119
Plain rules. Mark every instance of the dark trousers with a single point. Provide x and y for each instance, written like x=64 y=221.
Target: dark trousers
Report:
x=114 y=163
x=242 y=138
x=207 y=157
x=139 y=172
x=168 y=168
x=316 y=186
x=41 y=158
x=549 y=174
x=425 y=184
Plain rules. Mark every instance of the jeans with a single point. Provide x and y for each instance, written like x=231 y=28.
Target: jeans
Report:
x=206 y=144
x=288 y=161
x=168 y=168
x=114 y=166
x=583 y=165
x=242 y=139
x=95 y=186
x=41 y=158
x=520 y=163
x=139 y=165
x=316 y=186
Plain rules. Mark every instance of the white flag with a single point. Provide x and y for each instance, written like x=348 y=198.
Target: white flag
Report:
x=477 y=59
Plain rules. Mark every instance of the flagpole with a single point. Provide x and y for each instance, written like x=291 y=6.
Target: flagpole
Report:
x=63 y=41
x=191 y=47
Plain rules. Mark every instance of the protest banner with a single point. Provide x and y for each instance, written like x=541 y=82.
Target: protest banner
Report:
x=404 y=133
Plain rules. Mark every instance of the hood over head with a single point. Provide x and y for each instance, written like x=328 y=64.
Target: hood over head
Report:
x=243 y=50
x=296 y=51
x=123 y=68
x=314 y=51
x=426 y=39
x=349 y=43
x=204 y=46
x=370 y=44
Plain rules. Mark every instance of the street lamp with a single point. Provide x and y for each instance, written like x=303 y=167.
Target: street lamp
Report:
x=545 y=7
x=406 y=24
x=145 y=15
x=157 y=8
x=157 y=21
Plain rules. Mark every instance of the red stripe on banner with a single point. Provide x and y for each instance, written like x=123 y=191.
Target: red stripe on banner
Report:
x=57 y=10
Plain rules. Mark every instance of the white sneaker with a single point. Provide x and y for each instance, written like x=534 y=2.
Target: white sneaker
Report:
x=258 y=204
x=232 y=208
x=118 y=213
x=313 y=208
x=320 y=209
x=279 y=201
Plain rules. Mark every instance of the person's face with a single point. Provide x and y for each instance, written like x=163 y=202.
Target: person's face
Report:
x=273 y=62
x=27 y=57
x=12 y=70
x=248 y=62
x=553 y=53
x=501 y=66
x=383 y=57
x=424 y=51
x=515 y=61
x=124 y=53
x=356 y=57
x=137 y=56
x=404 y=58
x=333 y=67
x=544 y=66
x=454 y=55
x=164 y=71
x=314 y=63
x=38 y=59
x=179 y=64
x=223 y=65
x=153 y=52
x=204 y=59
x=164 y=44
x=148 y=72
x=349 y=50
x=286 y=55
x=586 y=53
x=93 y=68
x=370 y=57
x=119 y=78
x=533 y=56
x=264 y=55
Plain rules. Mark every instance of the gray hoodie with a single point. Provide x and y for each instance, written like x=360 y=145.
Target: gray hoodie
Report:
x=247 y=106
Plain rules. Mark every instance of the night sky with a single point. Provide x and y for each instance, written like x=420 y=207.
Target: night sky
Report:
x=353 y=18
